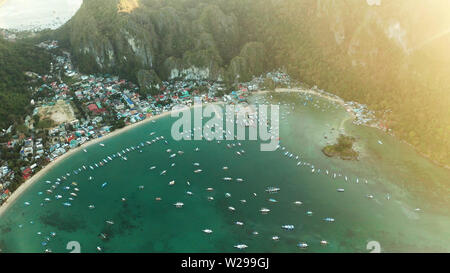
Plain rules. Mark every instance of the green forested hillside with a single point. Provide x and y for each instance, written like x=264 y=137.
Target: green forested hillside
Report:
x=393 y=57
x=381 y=56
x=15 y=59
x=384 y=56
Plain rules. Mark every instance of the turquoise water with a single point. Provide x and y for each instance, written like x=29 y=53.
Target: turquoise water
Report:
x=143 y=224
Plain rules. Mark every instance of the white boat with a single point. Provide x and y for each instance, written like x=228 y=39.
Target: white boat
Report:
x=302 y=245
x=275 y=238
x=227 y=195
x=171 y=183
x=152 y=167
x=163 y=172
x=239 y=180
x=340 y=190
x=298 y=203
x=85 y=150
x=272 y=189
x=198 y=171
x=288 y=227
x=196 y=164
x=91 y=207
x=239 y=223
x=101 y=144
x=323 y=242
x=329 y=219
x=240 y=246
x=231 y=208
x=208 y=231
x=179 y=204
x=264 y=210
x=109 y=222
x=227 y=178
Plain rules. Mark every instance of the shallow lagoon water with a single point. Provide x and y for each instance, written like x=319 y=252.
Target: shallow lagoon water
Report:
x=142 y=224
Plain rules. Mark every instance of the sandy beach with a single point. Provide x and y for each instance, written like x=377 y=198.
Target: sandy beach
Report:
x=352 y=115
x=23 y=187
x=315 y=93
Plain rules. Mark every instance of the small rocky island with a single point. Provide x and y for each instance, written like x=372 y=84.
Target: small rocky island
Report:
x=343 y=149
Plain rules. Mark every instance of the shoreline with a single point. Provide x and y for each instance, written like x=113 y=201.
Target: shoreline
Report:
x=26 y=185
x=352 y=115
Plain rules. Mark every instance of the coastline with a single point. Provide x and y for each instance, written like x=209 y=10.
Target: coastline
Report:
x=352 y=115
x=315 y=93
x=25 y=185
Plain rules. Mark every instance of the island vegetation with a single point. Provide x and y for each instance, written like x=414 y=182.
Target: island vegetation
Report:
x=343 y=148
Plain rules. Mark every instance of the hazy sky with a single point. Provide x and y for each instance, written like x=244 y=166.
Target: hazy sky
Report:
x=26 y=14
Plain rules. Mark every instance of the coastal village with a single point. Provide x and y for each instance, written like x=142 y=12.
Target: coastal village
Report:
x=71 y=108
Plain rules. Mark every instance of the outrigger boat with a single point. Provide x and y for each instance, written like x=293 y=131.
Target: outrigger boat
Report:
x=272 y=189
x=302 y=245
x=240 y=246
x=288 y=227
x=264 y=210
x=179 y=204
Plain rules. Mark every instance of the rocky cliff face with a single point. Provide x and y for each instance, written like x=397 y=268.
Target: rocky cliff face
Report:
x=188 y=39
